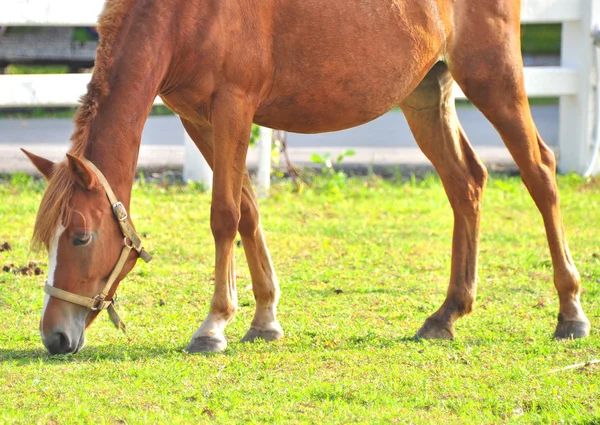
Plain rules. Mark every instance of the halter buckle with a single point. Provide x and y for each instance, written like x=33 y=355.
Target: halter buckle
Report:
x=119 y=211
x=98 y=301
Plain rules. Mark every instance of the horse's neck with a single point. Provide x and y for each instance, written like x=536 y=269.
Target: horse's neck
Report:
x=138 y=65
x=115 y=136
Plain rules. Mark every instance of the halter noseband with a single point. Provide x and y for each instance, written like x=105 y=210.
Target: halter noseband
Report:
x=99 y=302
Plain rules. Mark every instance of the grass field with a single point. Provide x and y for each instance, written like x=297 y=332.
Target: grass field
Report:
x=360 y=269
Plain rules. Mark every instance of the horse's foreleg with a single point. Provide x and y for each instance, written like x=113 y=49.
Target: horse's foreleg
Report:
x=264 y=280
x=486 y=62
x=232 y=121
x=432 y=118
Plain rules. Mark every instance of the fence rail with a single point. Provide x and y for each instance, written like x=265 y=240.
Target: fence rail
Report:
x=58 y=90
x=572 y=82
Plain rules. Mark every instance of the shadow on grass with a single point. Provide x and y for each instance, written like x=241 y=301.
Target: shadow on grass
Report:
x=90 y=354
x=118 y=353
x=301 y=342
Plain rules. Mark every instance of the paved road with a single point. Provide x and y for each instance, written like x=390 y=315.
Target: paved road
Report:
x=390 y=130
x=385 y=141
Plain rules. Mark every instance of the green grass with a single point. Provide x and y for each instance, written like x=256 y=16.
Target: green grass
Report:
x=62 y=112
x=347 y=357
x=541 y=39
x=18 y=69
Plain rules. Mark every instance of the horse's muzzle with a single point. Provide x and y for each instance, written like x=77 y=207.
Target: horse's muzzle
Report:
x=60 y=342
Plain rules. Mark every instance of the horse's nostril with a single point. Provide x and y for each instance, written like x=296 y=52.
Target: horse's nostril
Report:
x=60 y=343
x=63 y=341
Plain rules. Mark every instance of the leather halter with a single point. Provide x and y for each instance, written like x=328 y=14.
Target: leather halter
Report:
x=99 y=302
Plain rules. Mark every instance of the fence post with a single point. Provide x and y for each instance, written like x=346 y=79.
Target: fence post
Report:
x=263 y=175
x=577 y=111
x=195 y=167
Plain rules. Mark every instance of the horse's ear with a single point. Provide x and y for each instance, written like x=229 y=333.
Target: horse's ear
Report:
x=44 y=166
x=81 y=173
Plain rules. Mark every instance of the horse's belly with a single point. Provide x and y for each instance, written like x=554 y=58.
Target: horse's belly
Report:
x=329 y=107
x=327 y=110
x=336 y=68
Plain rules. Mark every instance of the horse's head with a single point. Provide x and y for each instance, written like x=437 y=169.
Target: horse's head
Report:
x=89 y=241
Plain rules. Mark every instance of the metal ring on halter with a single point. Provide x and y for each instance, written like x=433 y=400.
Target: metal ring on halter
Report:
x=98 y=305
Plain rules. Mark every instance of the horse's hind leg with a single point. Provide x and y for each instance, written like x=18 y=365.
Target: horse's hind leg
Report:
x=432 y=118
x=485 y=60
x=264 y=279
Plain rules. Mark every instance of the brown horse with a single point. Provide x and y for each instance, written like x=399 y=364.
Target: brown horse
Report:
x=304 y=66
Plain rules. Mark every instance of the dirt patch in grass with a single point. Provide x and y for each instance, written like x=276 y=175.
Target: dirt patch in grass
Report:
x=29 y=270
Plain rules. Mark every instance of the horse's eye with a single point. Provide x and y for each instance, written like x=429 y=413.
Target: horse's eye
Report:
x=82 y=240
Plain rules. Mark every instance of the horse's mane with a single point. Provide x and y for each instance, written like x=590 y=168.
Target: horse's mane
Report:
x=55 y=201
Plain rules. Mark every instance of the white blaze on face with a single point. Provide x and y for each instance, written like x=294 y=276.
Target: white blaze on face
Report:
x=52 y=261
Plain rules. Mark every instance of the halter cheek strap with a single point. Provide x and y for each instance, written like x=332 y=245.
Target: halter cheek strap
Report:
x=99 y=302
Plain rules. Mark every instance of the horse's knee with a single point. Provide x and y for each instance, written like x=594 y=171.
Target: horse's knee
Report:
x=224 y=220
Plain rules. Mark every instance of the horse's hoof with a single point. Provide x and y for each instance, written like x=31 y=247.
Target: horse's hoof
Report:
x=433 y=329
x=266 y=335
x=206 y=344
x=571 y=329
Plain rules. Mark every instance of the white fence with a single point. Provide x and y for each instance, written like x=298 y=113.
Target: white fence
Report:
x=573 y=82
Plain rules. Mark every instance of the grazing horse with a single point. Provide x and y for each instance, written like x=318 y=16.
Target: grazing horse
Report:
x=303 y=66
